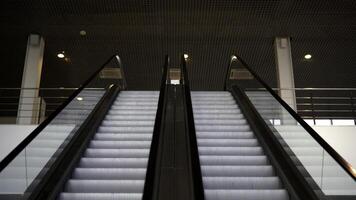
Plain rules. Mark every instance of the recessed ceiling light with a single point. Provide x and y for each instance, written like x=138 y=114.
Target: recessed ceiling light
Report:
x=82 y=32
x=308 y=56
x=60 y=55
x=80 y=98
x=186 y=56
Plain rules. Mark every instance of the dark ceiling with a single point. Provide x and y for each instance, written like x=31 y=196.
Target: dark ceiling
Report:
x=142 y=32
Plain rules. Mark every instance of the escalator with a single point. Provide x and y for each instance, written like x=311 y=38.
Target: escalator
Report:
x=100 y=144
x=233 y=164
x=247 y=143
x=114 y=165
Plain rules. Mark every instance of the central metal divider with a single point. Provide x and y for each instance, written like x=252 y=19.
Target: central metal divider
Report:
x=174 y=168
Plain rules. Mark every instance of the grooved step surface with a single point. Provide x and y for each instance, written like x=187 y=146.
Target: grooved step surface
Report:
x=115 y=162
x=233 y=164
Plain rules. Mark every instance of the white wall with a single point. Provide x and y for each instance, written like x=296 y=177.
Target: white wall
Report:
x=342 y=139
x=11 y=136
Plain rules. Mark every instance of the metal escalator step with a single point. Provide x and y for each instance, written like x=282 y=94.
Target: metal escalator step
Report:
x=123 y=137
x=230 y=151
x=210 y=102
x=135 y=103
x=139 y=95
x=218 y=116
x=109 y=173
x=217 y=142
x=102 y=186
x=125 y=129
x=278 y=194
x=116 y=153
x=234 y=183
x=119 y=144
x=130 y=117
x=111 y=123
x=216 y=111
x=225 y=135
x=134 y=99
x=233 y=160
x=218 y=99
x=132 y=112
x=133 y=107
x=222 y=128
x=237 y=171
x=199 y=122
x=113 y=162
x=216 y=106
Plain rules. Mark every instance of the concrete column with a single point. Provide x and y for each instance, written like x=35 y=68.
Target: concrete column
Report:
x=285 y=74
x=30 y=102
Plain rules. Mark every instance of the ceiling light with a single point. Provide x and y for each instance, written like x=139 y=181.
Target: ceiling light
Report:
x=80 y=98
x=60 y=55
x=308 y=56
x=186 y=56
x=82 y=32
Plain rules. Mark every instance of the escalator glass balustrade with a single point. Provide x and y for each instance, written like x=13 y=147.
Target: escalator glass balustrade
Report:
x=25 y=170
x=311 y=159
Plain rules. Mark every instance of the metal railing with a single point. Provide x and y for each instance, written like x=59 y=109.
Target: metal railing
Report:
x=324 y=103
x=31 y=105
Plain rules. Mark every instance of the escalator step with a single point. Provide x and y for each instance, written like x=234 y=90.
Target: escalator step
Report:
x=109 y=173
x=113 y=162
x=246 y=194
x=230 y=151
x=116 y=153
x=233 y=160
x=98 y=144
x=237 y=171
x=102 y=186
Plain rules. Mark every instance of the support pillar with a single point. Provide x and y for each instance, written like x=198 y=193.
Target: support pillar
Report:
x=285 y=74
x=30 y=102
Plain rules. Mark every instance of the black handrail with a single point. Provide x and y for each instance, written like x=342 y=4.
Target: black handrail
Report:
x=20 y=147
x=196 y=170
x=151 y=166
x=344 y=164
x=122 y=71
x=228 y=72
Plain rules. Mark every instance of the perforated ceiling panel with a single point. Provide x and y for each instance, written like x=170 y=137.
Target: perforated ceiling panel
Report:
x=142 y=32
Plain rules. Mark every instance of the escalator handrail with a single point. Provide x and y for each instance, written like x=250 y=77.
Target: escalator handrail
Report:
x=23 y=144
x=227 y=75
x=148 y=189
x=196 y=170
x=339 y=159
